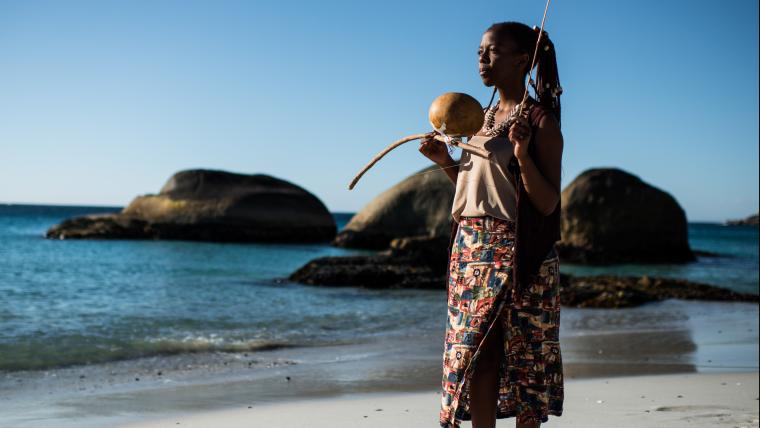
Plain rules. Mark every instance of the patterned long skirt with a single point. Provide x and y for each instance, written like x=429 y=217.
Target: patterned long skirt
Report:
x=480 y=294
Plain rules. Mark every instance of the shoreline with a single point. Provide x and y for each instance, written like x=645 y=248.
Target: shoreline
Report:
x=693 y=400
x=683 y=337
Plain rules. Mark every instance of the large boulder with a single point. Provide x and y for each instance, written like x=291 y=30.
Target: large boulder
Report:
x=212 y=205
x=611 y=216
x=419 y=205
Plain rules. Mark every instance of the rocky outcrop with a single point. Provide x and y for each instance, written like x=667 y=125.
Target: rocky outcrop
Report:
x=414 y=262
x=408 y=265
x=608 y=216
x=212 y=205
x=611 y=291
x=420 y=205
x=749 y=221
x=611 y=216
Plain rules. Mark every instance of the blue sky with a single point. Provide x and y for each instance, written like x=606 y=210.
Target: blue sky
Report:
x=104 y=100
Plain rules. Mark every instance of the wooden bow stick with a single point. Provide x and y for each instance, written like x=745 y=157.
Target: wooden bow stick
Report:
x=456 y=142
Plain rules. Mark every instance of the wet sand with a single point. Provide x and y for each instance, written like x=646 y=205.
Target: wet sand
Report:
x=687 y=338
x=687 y=400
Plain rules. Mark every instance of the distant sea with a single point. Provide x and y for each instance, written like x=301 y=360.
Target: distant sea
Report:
x=69 y=302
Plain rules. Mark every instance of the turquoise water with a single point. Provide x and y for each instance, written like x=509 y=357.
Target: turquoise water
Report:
x=65 y=302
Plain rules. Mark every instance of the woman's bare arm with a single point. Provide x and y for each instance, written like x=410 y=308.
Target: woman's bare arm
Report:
x=451 y=168
x=542 y=177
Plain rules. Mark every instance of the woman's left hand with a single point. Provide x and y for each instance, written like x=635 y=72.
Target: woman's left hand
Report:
x=519 y=135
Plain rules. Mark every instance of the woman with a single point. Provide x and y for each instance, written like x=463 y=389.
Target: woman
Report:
x=501 y=355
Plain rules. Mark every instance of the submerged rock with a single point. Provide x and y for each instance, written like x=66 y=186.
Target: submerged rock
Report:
x=611 y=216
x=212 y=205
x=611 y=291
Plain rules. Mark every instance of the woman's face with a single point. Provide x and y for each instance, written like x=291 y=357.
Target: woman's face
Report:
x=499 y=61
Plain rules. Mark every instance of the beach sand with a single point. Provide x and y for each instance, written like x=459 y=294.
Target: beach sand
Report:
x=676 y=400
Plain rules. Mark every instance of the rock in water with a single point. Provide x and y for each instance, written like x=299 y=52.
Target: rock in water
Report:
x=611 y=216
x=413 y=262
x=420 y=205
x=752 y=220
x=212 y=205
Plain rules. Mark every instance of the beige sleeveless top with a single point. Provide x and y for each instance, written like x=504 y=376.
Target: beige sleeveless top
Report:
x=483 y=187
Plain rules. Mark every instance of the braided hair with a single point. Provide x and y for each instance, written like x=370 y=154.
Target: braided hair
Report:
x=546 y=86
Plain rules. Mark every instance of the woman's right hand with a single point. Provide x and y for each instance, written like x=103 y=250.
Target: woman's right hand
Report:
x=435 y=150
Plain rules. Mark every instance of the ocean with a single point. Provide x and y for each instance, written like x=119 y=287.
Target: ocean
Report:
x=70 y=302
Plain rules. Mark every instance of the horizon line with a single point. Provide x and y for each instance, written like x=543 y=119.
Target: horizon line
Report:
x=48 y=204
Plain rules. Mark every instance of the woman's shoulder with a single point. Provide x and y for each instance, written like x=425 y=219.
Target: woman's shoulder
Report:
x=538 y=112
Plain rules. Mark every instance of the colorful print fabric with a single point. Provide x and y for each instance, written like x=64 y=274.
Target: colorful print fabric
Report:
x=530 y=376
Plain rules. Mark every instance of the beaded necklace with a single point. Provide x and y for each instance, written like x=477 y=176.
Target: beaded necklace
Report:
x=502 y=128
